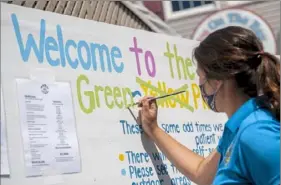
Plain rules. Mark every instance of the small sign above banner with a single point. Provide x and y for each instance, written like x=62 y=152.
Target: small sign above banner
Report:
x=237 y=17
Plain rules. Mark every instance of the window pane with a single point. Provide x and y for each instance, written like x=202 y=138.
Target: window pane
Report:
x=175 y=5
x=208 y=2
x=186 y=4
x=197 y=3
x=182 y=5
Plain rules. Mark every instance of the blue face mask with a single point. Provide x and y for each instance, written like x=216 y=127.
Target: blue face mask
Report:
x=209 y=99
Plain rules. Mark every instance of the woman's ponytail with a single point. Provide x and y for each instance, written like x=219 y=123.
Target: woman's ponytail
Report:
x=268 y=81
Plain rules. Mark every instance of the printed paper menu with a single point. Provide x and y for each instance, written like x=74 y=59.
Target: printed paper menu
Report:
x=48 y=128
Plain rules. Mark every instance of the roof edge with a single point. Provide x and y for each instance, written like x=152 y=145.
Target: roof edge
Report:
x=150 y=19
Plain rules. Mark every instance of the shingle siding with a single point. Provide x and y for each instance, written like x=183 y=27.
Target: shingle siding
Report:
x=113 y=12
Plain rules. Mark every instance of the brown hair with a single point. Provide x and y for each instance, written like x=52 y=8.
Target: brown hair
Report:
x=236 y=52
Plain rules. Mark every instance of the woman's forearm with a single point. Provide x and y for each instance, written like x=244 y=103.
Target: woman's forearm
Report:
x=186 y=161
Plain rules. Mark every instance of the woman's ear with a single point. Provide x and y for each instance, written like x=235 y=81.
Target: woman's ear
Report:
x=218 y=84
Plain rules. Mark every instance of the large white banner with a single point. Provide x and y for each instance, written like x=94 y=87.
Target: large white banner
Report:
x=108 y=68
x=5 y=168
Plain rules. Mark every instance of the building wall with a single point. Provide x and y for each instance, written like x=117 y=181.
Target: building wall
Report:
x=112 y=12
x=278 y=42
x=268 y=10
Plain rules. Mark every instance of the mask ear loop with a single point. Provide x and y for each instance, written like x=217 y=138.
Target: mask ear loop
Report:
x=203 y=92
x=202 y=87
x=214 y=94
x=212 y=88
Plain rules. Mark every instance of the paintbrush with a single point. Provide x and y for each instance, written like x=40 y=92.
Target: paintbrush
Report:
x=159 y=97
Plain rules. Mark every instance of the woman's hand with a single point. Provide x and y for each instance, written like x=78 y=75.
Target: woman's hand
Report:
x=148 y=114
x=195 y=167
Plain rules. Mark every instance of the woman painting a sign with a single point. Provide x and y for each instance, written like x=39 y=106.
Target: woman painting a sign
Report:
x=236 y=77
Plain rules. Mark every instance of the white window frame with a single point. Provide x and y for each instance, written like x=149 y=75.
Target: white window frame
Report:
x=170 y=15
x=236 y=3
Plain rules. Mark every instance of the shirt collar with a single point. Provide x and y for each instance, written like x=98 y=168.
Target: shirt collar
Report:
x=246 y=109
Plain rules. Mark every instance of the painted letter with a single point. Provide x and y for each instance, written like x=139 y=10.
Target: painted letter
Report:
x=30 y=43
x=89 y=94
x=136 y=50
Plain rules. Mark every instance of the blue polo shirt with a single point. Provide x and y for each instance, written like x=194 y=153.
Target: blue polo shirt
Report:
x=250 y=148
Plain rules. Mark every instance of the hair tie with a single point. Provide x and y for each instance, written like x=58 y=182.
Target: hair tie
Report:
x=260 y=53
x=253 y=62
